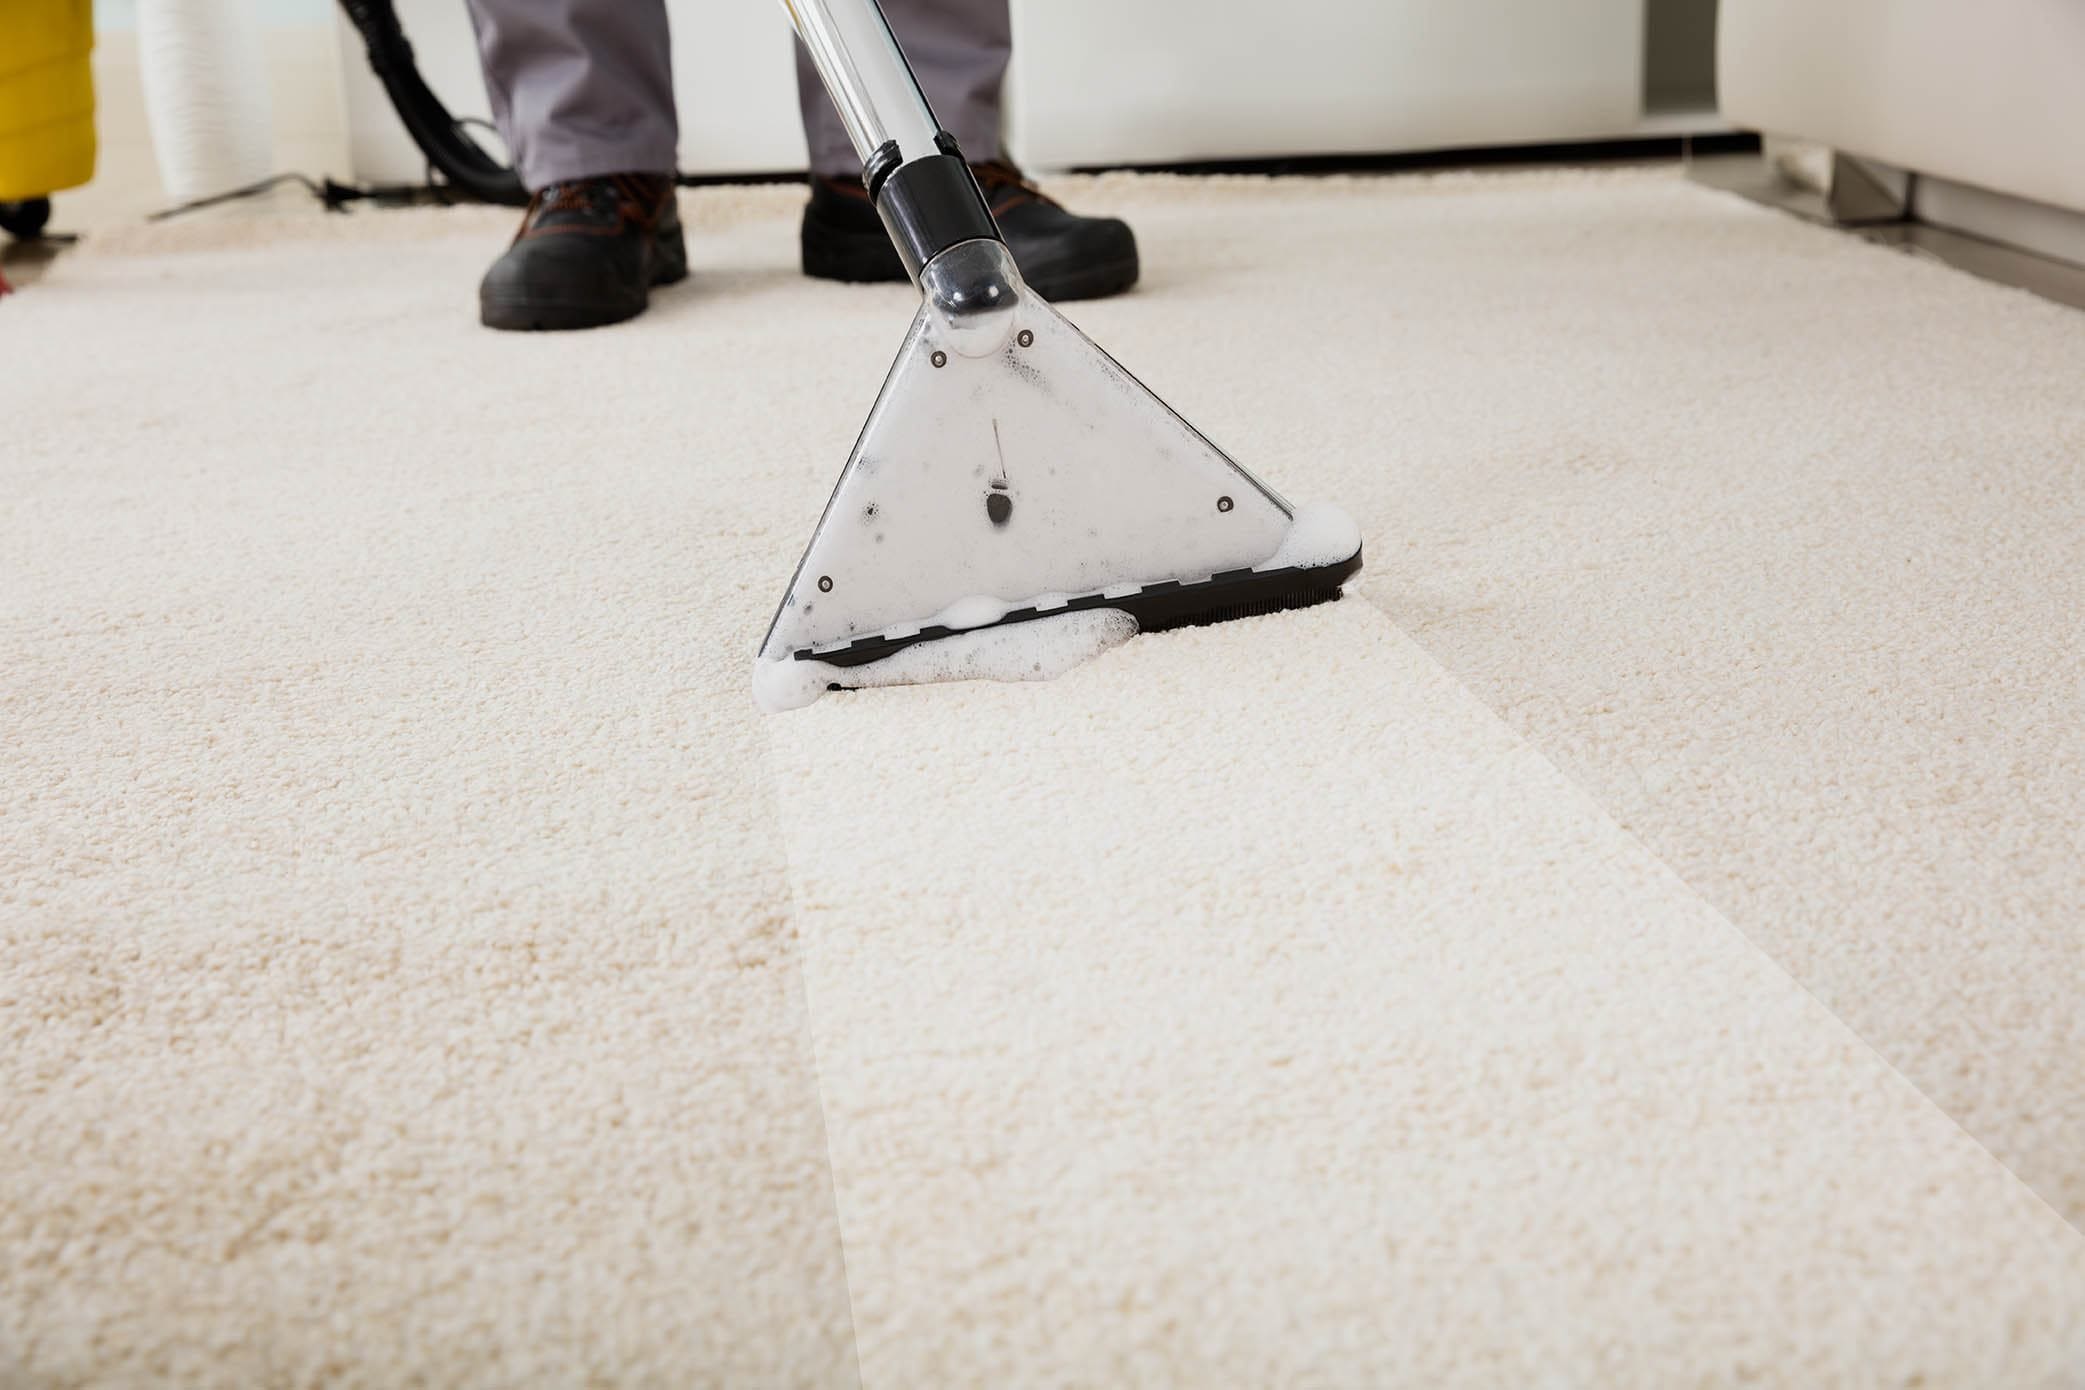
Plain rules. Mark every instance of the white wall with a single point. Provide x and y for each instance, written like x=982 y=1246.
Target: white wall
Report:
x=733 y=69
x=1093 y=81
x=1185 y=80
x=1149 y=81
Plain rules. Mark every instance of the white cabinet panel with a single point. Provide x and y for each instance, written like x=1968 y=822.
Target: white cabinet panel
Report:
x=1989 y=95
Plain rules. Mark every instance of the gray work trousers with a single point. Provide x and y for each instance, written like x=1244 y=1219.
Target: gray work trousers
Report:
x=584 y=87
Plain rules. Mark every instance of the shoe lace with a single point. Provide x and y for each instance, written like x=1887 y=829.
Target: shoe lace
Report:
x=631 y=194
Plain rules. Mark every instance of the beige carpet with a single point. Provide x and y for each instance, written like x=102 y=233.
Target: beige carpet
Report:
x=1634 y=944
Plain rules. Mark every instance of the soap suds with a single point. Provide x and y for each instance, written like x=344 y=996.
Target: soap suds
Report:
x=978 y=610
x=1319 y=534
x=1038 y=650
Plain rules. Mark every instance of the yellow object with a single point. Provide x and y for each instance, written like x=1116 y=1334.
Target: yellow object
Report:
x=46 y=96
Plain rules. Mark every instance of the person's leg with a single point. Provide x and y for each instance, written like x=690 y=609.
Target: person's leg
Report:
x=582 y=92
x=958 y=51
x=579 y=87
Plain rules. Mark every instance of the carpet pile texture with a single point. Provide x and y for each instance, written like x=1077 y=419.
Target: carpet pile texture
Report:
x=1632 y=941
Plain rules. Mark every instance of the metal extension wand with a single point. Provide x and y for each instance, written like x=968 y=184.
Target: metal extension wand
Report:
x=915 y=174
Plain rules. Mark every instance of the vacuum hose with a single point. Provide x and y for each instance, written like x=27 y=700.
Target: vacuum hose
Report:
x=440 y=136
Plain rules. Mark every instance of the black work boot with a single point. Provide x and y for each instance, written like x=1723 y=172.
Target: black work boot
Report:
x=588 y=253
x=1061 y=255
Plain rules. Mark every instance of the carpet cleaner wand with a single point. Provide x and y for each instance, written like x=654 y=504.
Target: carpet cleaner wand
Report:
x=1016 y=501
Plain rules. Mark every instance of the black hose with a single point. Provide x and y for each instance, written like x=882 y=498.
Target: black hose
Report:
x=440 y=136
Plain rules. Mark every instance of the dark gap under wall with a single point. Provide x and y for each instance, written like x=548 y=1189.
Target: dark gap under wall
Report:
x=1578 y=152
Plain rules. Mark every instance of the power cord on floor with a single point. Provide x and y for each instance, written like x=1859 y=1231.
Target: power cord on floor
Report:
x=436 y=190
x=336 y=196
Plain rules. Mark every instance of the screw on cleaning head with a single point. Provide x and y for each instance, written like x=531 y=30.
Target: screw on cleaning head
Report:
x=825 y=583
x=1025 y=338
x=940 y=359
x=1223 y=504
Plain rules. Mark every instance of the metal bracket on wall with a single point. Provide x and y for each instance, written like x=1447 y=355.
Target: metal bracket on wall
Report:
x=1864 y=192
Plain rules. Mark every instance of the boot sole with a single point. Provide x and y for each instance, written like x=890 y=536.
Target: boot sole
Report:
x=852 y=258
x=1092 y=280
x=856 y=258
x=529 y=314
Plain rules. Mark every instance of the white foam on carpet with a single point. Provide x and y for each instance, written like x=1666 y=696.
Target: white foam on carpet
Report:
x=399 y=970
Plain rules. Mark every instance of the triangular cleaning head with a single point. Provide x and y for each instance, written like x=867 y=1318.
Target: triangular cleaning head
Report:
x=1013 y=475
